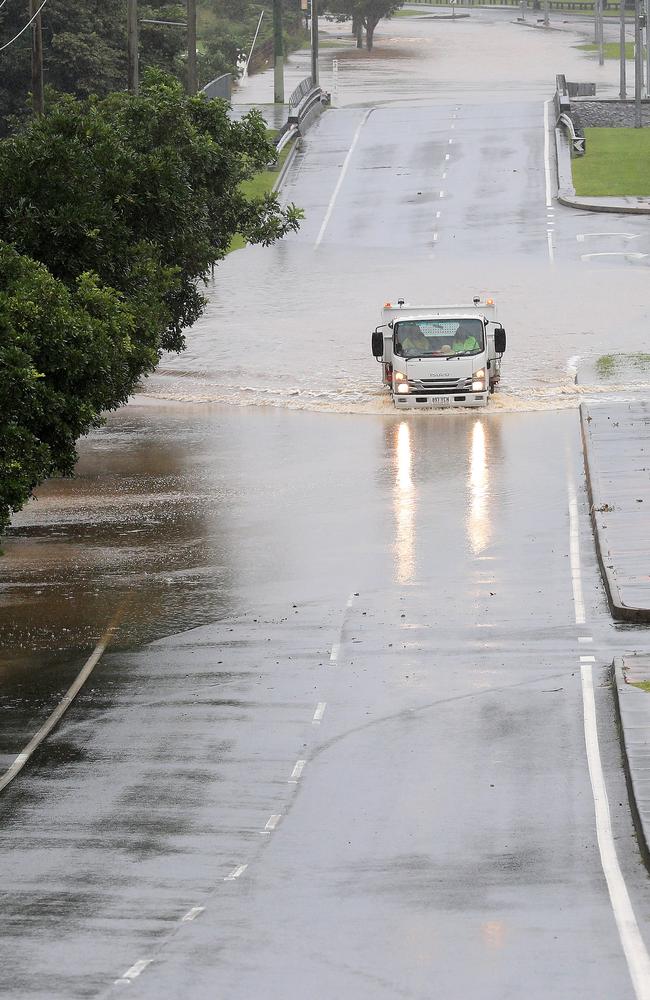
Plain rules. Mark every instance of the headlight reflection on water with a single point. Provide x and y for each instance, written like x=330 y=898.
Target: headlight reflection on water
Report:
x=404 y=504
x=478 y=520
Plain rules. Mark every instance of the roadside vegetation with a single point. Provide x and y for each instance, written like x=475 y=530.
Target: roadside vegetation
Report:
x=365 y=15
x=259 y=186
x=112 y=212
x=617 y=163
x=611 y=50
x=84 y=45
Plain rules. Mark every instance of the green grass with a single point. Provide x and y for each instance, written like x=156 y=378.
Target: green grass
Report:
x=258 y=185
x=644 y=685
x=407 y=13
x=617 y=163
x=611 y=50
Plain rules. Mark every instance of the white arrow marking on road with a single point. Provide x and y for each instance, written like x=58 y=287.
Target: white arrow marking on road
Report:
x=634 y=255
x=581 y=237
x=192 y=914
x=273 y=821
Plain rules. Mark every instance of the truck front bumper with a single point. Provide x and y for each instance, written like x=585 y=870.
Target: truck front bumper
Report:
x=417 y=401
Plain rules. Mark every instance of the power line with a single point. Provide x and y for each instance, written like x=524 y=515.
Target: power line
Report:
x=24 y=29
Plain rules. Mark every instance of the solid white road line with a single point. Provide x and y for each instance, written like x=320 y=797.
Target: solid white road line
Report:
x=319 y=713
x=63 y=705
x=297 y=771
x=273 y=821
x=239 y=870
x=585 y=638
x=547 y=157
x=574 y=554
x=192 y=914
x=344 y=170
x=587 y=659
x=636 y=953
x=334 y=655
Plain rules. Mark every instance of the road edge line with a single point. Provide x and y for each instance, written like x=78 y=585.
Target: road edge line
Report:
x=55 y=717
x=636 y=954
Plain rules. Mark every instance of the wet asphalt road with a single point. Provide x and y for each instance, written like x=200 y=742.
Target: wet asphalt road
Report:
x=337 y=743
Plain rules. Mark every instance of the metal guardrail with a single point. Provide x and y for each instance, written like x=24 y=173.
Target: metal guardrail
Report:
x=300 y=92
x=578 y=142
x=563 y=116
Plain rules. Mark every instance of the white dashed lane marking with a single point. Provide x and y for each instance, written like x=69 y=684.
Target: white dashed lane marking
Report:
x=320 y=712
x=297 y=771
x=235 y=873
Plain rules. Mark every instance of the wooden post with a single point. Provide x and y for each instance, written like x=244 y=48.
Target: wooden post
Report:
x=132 y=46
x=314 y=43
x=278 y=53
x=192 y=71
x=38 y=96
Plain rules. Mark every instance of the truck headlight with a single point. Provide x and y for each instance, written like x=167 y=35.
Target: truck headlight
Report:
x=478 y=380
x=401 y=382
x=402 y=387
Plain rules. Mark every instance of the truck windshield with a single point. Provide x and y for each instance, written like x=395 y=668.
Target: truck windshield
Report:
x=429 y=338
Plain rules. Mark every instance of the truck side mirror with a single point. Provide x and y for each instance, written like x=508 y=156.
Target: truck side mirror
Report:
x=500 y=340
x=377 y=344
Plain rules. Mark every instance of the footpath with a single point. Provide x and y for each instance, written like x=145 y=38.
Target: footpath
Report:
x=616 y=440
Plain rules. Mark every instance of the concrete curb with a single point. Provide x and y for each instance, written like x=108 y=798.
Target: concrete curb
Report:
x=633 y=777
x=604 y=205
x=619 y=610
x=566 y=194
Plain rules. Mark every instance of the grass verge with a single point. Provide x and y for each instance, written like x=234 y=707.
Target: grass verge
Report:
x=616 y=164
x=257 y=186
x=644 y=685
x=611 y=50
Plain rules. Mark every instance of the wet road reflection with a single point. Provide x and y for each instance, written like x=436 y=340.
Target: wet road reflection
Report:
x=405 y=541
x=478 y=526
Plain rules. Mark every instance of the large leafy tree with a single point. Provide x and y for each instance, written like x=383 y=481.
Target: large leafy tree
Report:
x=125 y=203
x=363 y=13
x=66 y=354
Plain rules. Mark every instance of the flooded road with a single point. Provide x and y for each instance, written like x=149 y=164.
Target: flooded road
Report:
x=336 y=742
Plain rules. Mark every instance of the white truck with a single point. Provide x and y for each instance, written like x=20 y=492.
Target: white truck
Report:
x=439 y=355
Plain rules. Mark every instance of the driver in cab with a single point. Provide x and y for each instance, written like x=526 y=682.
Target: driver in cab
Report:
x=412 y=341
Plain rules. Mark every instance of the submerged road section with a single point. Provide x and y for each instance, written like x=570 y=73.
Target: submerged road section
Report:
x=353 y=735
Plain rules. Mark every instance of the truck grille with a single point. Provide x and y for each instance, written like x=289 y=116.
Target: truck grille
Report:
x=440 y=386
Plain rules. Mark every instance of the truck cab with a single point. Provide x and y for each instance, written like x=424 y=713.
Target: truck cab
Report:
x=440 y=356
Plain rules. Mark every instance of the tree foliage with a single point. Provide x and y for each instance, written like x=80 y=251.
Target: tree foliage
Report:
x=111 y=212
x=84 y=44
x=366 y=13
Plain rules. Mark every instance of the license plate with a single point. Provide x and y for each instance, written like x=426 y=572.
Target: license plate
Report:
x=438 y=400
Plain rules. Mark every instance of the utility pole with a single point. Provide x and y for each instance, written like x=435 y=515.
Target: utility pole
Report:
x=278 y=53
x=132 y=46
x=546 y=18
x=600 y=31
x=622 y=90
x=314 y=43
x=192 y=71
x=38 y=97
x=638 y=64
x=647 y=47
